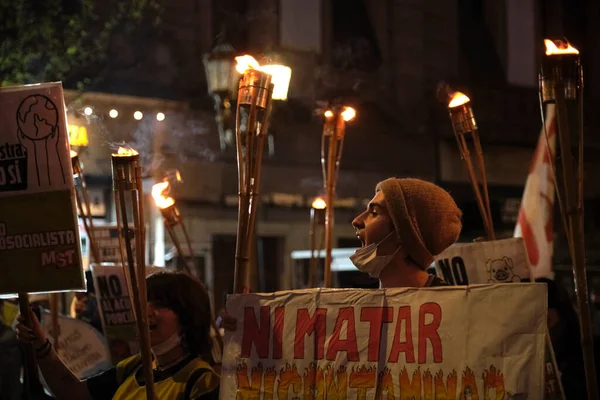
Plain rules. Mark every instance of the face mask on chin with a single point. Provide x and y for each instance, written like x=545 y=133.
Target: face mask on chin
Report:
x=367 y=260
x=168 y=345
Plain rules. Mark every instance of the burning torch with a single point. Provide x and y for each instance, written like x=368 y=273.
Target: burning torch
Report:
x=332 y=143
x=252 y=118
x=127 y=178
x=463 y=123
x=172 y=217
x=317 y=218
x=561 y=83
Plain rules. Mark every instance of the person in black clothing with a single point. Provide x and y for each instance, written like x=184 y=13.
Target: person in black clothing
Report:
x=406 y=224
x=563 y=325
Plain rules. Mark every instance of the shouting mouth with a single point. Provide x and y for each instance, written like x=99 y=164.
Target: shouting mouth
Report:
x=361 y=238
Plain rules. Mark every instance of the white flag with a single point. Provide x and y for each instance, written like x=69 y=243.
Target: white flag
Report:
x=535 y=223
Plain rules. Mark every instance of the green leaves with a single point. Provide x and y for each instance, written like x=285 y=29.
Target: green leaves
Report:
x=57 y=39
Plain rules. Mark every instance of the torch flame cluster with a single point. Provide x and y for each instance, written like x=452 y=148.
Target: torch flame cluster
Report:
x=280 y=74
x=348 y=114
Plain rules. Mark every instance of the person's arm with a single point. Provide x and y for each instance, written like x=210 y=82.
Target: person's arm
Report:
x=61 y=381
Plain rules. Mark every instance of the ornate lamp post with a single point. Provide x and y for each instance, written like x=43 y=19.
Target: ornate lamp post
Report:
x=222 y=80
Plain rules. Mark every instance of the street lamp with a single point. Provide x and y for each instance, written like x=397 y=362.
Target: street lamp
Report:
x=222 y=80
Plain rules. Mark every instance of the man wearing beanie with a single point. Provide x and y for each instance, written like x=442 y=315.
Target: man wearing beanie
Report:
x=406 y=224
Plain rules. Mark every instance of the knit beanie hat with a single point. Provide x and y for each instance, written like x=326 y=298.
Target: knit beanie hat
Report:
x=426 y=218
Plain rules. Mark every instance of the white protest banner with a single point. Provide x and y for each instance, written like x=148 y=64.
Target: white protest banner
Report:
x=116 y=311
x=477 y=342
x=80 y=347
x=39 y=238
x=497 y=261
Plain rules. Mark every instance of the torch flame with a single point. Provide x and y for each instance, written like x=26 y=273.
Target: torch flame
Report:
x=125 y=152
x=458 y=99
x=280 y=74
x=328 y=114
x=245 y=63
x=319 y=204
x=348 y=114
x=157 y=193
x=559 y=47
x=73 y=154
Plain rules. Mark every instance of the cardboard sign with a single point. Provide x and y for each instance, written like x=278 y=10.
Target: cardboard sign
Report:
x=39 y=237
x=480 y=342
x=498 y=261
x=107 y=238
x=116 y=310
x=80 y=347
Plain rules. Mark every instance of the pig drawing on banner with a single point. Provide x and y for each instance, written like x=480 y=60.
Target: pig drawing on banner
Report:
x=388 y=343
x=501 y=271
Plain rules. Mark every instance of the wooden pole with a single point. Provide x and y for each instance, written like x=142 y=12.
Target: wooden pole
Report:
x=36 y=389
x=574 y=216
x=312 y=266
x=329 y=211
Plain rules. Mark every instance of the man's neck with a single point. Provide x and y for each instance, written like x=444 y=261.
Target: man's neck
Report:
x=401 y=274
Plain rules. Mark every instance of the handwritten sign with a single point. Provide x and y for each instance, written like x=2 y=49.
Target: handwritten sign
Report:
x=498 y=261
x=485 y=341
x=39 y=237
x=116 y=310
x=80 y=347
x=107 y=238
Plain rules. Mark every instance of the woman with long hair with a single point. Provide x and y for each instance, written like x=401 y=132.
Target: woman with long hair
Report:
x=180 y=319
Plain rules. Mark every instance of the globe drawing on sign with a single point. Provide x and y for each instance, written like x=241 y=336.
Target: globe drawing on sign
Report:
x=37 y=117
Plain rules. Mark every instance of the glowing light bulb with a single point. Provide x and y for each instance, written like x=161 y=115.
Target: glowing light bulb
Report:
x=88 y=111
x=160 y=116
x=113 y=113
x=138 y=115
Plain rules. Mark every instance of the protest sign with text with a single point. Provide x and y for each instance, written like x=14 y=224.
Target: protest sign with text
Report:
x=116 y=311
x=80 y=347
x=497 y=261
x=107 y=240
x=484 y=341
x=39 y=237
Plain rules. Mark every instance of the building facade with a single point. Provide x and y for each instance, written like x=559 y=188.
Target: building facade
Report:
x=386 y=58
